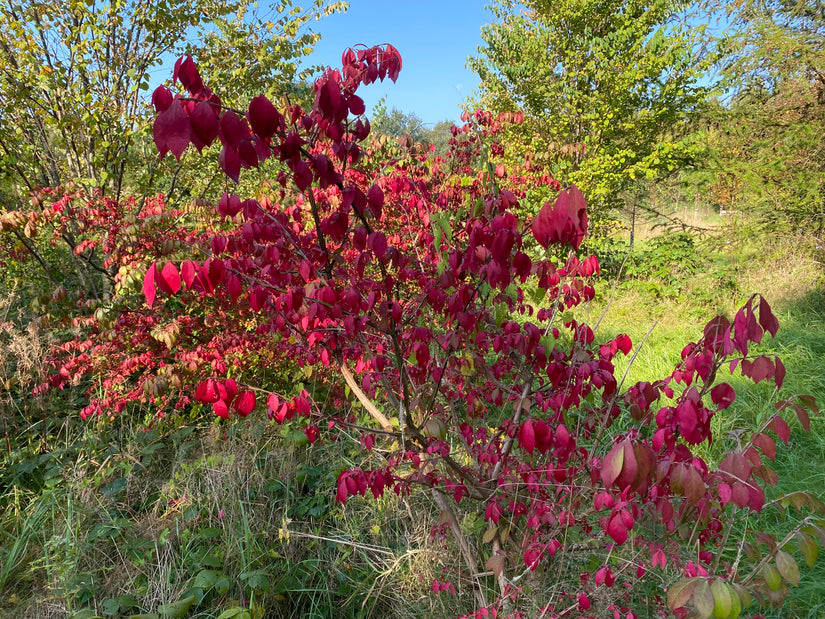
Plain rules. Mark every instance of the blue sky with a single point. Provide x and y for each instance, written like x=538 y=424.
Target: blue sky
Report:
x=434 y=39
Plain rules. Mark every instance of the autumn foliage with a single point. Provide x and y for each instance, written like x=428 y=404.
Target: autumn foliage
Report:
x=441 y=328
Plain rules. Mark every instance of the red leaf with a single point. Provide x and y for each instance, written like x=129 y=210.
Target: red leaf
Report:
x=341 y=494
x=565 y=221
x=779 y=375
x=725 y=493
x=162 y=98
x=612 y=465
x=782 y=429
x=204 y=122
x=189 y=271
x=305 y=270
x=377 y=242
x=263 y=117
x=722 y=395
x=171 y=277
x=760 y=369
x=233 y=129
x=207 y=391
x=375 y=200
x=766 y=318
x=244 y=403
x=233 y=286
x=215 y=270
x=172 y=131
x=257 y=298
x=248 y=154
x=302 y=174
x=221 y=409
x=624 y=343
x=527 y=436
x=230 y=163
x=187 y=72
x=149 y=284
x=616 y=529
x=766 y=444
x=802 y=415
x=356 y=105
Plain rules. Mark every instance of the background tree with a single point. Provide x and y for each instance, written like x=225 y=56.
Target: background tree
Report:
x=74 y=82
x=607 y=88
x=73 y=77
x=396 y=123
x=766 y=134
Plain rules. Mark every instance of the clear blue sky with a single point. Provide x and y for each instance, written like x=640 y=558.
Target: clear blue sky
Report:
x=434 y=38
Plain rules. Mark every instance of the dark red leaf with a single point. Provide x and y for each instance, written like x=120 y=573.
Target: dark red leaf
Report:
x=230 y=163
x=377 y=242
x=766 y=318
x=802 y=415
x=722 y=395
x=761 y=369
x=766 y=444
x=264 y=118
x=204 y=122
x=162 y=98
x=782 y=429
x=375 y=200
x=527 y=437
x=233 y=129
x=248 y=154
x=303 y=175
x=172 y=131
x=356 y=105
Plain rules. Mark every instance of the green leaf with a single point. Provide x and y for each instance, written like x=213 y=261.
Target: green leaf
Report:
x=808 y=547
x=722 y=599
x=787 y=567
x=680 y=592
x=703 y=599
x=205 y=579
x=177 y=609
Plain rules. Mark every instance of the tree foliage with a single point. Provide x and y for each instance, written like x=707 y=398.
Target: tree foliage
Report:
x=73 y=78
x=74 y=83
x=606 y=88
x=396 y=123
x=767 y=132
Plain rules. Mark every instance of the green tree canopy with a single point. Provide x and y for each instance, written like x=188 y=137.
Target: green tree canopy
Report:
x=767 y=132
x=606 y=87
x=74 y=76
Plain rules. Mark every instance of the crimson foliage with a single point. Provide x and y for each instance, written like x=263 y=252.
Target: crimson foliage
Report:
x=409 y=284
